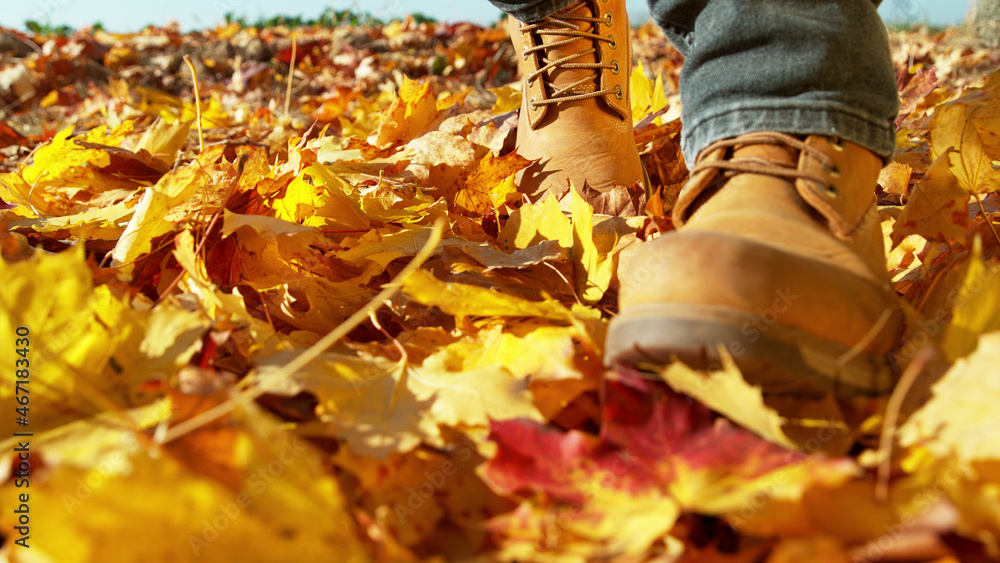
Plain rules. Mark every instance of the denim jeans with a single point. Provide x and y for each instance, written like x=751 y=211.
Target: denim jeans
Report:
x=794 y=66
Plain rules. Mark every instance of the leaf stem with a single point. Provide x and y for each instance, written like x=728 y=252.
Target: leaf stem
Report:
x=197 y=102
x=892 y=409
x=291 y=72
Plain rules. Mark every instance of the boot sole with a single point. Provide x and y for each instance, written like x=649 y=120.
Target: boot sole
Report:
x=778 y=358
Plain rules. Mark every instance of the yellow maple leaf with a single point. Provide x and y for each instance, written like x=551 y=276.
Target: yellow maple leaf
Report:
x=508 y=99
x=86 y=349
x=280 y=486
x=975 y=306
x=491 y=184
x=462 y=300
x=409 y=115
x=647 y=95
x=164 y=140
x=593 y=269
x=212 y=114
x=366 y=401
x=470 y=398
x=962 y=126
x=531 y=224
x=300 y=200
x=295 y=282
x=149 y=220
x=726 y=392
x=96 y=223
x=525 y=349
x=955 y=422
x=64 y=162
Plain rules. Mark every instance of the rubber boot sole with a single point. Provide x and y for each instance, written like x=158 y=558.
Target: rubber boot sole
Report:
x=778 y=358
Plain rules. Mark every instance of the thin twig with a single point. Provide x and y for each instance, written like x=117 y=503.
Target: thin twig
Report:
x=867 y=339
x=197 y=102
x=291 y=72
x=892 y=409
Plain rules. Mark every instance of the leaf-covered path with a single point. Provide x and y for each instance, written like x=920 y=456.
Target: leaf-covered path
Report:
x=166 y=278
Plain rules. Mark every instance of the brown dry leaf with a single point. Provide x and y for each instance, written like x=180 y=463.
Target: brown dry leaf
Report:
x=895 y=178
x=938 y=207
x=961 y=129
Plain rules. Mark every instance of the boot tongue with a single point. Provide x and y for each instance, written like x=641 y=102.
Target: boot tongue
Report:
x=565 y=76
x=779 y=154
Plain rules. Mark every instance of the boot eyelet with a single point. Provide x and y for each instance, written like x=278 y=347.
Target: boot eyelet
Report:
x=619 y=93
x=615 y=68
x=524 y=55
x=531 y=82
x=614 y=42
x=832 y=191
x=608 y=19
x=532 y=103
x=837 y=144
x=832 y=171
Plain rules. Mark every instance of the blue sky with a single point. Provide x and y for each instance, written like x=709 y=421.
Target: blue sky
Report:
x=130 y=15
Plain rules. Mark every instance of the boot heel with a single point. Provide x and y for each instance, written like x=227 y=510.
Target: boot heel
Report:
x=779 y=359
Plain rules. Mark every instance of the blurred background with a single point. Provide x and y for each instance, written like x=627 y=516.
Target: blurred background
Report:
x=117 y=16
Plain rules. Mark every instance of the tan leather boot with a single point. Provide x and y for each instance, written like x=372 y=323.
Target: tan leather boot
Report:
x=576 y=114
x=778 y=258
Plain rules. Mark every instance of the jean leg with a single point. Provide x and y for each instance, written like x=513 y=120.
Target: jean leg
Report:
x=531 y=10
x=795 y=66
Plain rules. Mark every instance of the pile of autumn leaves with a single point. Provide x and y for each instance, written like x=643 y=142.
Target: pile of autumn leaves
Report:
x=174 y=290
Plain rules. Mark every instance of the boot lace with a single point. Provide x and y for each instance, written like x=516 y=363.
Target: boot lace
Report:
x=753 y=165
x=564 y=24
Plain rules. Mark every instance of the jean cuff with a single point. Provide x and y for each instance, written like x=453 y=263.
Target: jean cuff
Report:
x=811 y=118
x=533 y=11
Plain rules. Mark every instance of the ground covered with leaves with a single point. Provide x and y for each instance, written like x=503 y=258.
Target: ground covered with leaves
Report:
x=319 y=323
